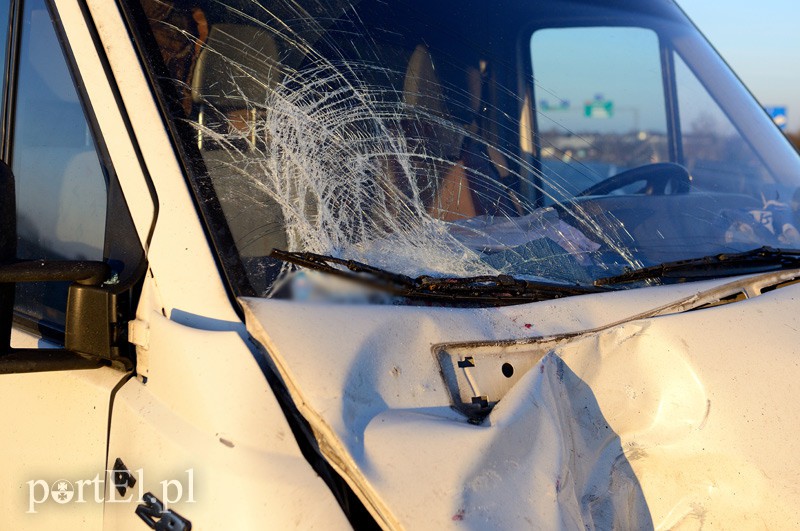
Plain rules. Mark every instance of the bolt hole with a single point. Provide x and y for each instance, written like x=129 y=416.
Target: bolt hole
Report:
x=508 y=370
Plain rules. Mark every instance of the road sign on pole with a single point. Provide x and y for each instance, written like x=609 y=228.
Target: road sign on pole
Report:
x=598 y=109
x=778 y=115
x=546 y=106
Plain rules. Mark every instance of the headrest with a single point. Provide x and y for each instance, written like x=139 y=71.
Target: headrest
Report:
x=239 y=64
x=421 y=87
x=423 y=92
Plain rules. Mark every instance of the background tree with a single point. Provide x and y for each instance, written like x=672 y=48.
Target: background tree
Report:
x=794 y=138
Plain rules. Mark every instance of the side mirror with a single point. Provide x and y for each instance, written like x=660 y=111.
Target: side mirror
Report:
x=94 y=333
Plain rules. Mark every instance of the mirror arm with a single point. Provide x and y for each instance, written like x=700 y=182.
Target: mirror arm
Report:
x=84 y=272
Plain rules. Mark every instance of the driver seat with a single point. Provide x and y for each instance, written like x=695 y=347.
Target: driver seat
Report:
x=236 y=71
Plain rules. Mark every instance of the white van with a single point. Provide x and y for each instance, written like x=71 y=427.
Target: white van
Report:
x=398 y=264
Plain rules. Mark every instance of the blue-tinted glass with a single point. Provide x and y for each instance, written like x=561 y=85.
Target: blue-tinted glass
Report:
x=60 y=184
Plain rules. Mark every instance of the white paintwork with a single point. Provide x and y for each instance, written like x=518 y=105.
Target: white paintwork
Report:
x=179 y=253
x=55 y=426
x=109 y=117
x=206 y=407
x=668 y=421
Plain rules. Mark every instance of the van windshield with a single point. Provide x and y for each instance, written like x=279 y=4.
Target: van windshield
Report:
x=560 y=141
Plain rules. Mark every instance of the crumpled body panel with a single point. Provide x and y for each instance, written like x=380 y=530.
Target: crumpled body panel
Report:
x=685 y=420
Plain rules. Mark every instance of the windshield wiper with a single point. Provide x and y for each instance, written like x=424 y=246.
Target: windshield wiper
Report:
x=761 y=260
x=496 y=290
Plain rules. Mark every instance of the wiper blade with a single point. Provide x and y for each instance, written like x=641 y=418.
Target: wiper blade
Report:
x=491 y=289
x=761 y=260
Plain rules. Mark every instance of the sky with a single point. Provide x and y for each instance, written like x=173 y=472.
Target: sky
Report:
x=760 y=40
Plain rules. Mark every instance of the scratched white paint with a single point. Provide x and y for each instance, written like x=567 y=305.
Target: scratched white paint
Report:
x=671 y=421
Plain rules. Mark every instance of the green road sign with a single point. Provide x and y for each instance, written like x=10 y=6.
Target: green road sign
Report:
x=598 y=109
x=546 y=106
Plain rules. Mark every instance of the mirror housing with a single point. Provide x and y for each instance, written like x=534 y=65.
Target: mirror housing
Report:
x=97 y=323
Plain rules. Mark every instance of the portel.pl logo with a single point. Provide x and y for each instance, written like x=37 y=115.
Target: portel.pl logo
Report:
x=63 y=491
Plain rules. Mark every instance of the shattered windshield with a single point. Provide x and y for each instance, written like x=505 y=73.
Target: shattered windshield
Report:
x=551 y=141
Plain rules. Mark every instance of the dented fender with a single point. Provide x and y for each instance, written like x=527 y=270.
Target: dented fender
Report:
x=651 y=422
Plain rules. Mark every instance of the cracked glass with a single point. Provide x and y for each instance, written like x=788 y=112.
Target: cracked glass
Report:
x=558 y=141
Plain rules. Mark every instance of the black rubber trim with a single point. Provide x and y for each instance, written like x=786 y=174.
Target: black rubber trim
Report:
x=123 y=111
x=125 y=379
x=10 y=77
x=206 y=203
x=352 y=506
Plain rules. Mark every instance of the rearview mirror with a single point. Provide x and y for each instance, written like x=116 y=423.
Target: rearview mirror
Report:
x=95 y=330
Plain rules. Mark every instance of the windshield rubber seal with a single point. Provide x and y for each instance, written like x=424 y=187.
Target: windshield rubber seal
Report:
x=206 y=203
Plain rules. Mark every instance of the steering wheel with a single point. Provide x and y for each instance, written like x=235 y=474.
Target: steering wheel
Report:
x=657 y=177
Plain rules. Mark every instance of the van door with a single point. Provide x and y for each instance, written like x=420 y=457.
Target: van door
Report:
x=70 y=206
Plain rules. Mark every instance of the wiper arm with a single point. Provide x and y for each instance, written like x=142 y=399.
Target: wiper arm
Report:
x=496 y=290
x=761 y=260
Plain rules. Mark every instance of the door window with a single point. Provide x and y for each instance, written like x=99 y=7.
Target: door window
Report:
x=717 y=155
x=600 y=104
x=61 y=185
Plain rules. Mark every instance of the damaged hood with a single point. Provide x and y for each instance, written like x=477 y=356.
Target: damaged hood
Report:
x=614 y=410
